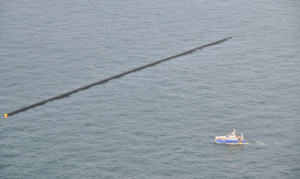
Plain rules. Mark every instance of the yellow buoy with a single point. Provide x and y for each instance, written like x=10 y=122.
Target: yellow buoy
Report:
x=5 y=115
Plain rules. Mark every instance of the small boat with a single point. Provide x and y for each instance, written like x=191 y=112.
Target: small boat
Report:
x=230 y=139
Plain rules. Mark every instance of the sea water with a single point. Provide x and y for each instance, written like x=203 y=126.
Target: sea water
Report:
x=159 y=122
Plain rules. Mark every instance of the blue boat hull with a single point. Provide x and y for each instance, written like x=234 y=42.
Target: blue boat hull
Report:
x=230 y=142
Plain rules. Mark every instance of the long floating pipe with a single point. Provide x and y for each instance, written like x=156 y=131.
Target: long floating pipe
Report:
x=110 y=78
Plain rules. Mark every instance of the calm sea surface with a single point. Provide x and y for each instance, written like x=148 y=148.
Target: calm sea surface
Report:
x=159 y=122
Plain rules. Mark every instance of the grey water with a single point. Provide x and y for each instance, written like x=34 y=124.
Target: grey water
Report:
x=159 y=122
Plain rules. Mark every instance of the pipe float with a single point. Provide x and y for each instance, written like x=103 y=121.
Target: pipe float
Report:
x=112 y=77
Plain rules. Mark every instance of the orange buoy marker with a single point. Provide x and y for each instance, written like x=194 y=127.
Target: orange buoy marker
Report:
x=113 y=77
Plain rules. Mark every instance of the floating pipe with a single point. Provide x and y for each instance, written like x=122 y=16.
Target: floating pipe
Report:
x=110 y=78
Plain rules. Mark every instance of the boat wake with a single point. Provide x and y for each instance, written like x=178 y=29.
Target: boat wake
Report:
x=260 y=143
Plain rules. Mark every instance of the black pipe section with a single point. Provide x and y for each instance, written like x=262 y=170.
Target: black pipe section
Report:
x=112 y=77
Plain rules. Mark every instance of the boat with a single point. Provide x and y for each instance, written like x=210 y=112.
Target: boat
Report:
x=230 y=139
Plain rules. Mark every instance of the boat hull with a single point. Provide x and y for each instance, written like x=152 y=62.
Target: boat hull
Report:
x=230 y=142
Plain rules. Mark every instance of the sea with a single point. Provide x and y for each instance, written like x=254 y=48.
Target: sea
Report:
x=161 y=121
